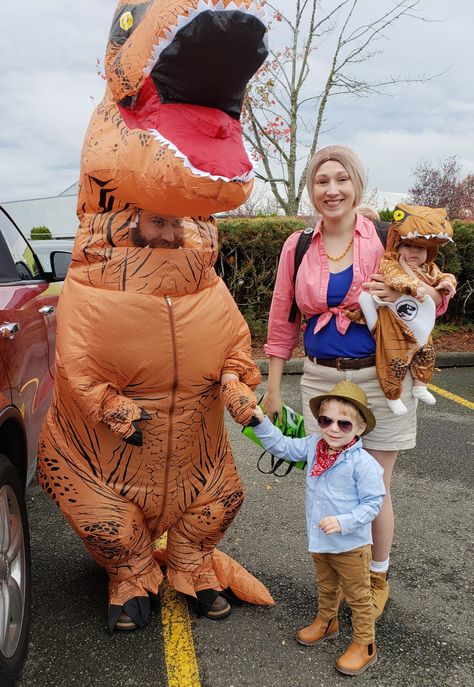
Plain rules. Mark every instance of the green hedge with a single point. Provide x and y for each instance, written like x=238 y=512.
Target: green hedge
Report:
x=458 y=258
x=249 y=249
x=38 y=233
x=248 y=259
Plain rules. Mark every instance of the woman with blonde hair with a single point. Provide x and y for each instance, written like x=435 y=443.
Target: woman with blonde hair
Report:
x=341 y=261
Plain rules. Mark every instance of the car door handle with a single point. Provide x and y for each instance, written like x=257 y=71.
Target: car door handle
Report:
x=9 y=329
x=47 y=310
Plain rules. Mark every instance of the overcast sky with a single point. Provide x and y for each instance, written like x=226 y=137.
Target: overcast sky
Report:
x=49 y=83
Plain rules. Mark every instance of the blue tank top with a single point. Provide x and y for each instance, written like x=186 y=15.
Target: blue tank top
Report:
x=357 y=342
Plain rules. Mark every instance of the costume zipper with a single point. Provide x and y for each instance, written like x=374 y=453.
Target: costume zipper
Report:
x=174 y=387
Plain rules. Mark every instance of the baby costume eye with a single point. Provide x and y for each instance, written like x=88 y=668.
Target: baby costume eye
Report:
x=398 y=215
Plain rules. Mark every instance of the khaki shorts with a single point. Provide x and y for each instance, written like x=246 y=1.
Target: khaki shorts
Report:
x=392 y=432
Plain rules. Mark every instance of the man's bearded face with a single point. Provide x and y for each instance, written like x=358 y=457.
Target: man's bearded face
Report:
x=158 y=231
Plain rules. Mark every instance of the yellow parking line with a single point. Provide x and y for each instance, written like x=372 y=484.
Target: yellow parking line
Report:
x=181 y=663
x=180 y=657
x=452 y=397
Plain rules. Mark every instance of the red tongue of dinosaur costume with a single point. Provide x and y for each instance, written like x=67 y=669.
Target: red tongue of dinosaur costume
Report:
x=208 y=140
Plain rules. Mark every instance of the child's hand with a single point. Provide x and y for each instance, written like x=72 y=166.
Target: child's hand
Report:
x=330 y=525
x=445 y=288
x=258 y=413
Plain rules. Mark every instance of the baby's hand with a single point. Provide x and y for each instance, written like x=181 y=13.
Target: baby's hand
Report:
x=258 y=413
x=330 y=525
x=420 y=293
x=446 y=288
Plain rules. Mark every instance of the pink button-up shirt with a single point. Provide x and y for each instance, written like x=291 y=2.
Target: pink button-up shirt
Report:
x=312 y=286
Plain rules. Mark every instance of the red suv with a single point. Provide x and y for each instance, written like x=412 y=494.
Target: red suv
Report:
x=28 y=297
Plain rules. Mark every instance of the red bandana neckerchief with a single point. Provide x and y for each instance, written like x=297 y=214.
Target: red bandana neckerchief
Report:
x=325 y=457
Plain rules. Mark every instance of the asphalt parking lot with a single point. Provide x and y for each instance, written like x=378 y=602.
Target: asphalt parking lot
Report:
x=424 y=639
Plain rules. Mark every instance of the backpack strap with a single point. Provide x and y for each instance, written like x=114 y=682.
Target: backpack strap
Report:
x=301 y=247
x=382 y=227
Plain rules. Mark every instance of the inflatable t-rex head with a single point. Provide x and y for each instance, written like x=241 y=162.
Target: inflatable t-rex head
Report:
x=423 y=226
x=167 y=137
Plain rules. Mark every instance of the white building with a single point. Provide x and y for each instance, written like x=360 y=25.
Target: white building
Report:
x=58 y=213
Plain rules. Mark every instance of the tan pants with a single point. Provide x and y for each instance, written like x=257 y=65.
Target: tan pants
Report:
x=350 y=569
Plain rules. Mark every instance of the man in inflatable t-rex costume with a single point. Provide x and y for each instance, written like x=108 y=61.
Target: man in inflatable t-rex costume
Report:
x=135 y=444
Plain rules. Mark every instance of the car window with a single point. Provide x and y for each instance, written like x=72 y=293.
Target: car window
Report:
x=43 y=250
x=25 y=262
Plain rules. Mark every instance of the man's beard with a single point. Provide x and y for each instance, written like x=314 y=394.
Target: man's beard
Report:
x=142 y=242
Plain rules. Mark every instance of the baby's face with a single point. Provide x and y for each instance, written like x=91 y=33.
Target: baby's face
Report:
x=413 y=254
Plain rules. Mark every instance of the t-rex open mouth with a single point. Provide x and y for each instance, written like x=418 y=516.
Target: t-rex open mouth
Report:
x=192 y=97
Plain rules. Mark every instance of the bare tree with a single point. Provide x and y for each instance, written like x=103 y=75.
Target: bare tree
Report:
x=441 y=186
x=282 y=120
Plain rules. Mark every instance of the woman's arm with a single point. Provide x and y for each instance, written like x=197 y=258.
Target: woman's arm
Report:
x=377 y=287
x=272 y=402
x=282 y=334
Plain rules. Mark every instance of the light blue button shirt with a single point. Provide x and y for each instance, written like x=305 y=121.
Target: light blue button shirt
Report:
x=352 y=489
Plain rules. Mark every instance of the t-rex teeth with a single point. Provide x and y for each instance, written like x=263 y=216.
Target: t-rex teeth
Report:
x=203 y=6
x=199 y=172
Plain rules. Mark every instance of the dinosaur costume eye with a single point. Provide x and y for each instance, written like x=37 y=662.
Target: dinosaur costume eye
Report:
x=126 y=21
x=399 y=215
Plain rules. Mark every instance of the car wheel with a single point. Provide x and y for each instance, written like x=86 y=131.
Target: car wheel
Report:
x=15 y=574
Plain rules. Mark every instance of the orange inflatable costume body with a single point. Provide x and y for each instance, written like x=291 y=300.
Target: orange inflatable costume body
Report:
x=402 y=329
x=135 y=443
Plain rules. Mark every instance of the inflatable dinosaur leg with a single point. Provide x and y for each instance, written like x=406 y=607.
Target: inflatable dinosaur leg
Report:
x=112 y=528
x=193 y=562
x=394 y=350
x=194 y=536
x=423 y=362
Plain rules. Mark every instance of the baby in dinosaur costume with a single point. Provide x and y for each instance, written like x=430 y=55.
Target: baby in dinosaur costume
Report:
x=402 y=329
x=150 y=345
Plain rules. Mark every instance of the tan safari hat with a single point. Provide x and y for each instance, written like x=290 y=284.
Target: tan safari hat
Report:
x=347 y=391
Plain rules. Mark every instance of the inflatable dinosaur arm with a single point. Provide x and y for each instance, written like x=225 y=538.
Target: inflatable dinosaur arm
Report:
x=239 y=359
x=395 y=276
x=100 y=401
x=239 y=400
x=239 y=376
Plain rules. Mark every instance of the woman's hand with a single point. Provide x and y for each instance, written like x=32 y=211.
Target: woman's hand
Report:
x=377 y=287
x=445 y=288
x=272 y=405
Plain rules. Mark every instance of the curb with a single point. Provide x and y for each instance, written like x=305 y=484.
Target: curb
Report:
x=448 y=359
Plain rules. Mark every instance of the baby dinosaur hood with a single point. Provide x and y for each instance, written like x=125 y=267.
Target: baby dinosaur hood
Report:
x=423 y=226
x=167 y=136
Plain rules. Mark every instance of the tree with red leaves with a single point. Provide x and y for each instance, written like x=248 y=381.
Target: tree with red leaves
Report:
x=284 y=116
x=442 y=187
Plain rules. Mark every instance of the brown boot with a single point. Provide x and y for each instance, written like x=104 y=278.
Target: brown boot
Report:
x=380 y=590
x=317 y=632
x=356 y=658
